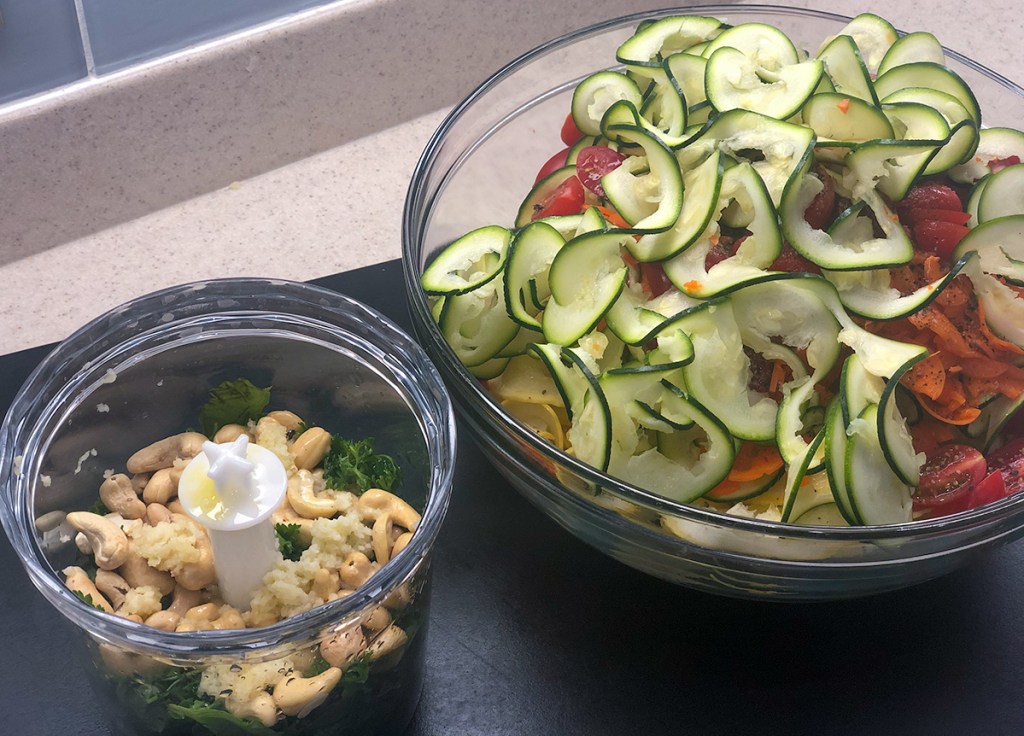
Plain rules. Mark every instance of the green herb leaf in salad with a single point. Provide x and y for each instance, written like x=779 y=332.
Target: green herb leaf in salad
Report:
x=233 y=402
x=319 y=666
x=355 y=466
x=288 y=541
x=173 y=696
x=218 y=721
x=87 y=599
x=358 y=672
x=99 y=508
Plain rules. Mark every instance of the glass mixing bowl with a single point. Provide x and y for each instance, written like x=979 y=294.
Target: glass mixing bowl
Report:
x=475 y=171
x=140 y=373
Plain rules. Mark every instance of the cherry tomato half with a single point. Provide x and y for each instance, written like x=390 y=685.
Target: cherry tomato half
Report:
x=791 y=261
x=991 y=488
x=565 y=199
x=1009 y=461
x=593 y=162
x=553 y=164
x=924 y=214
x=930 y=196
x=819 y=213
x=653 y=279
x=570 y=133
x=940 y=238
x=948 y=478
x=726 y=247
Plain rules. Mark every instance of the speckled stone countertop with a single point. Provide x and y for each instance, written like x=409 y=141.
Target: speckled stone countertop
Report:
x=93 y=219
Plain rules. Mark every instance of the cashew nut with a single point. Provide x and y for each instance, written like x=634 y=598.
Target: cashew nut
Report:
x=184 y=599
x=262 y=708
x=375 y=502
x=381 y=538
x=126 y=663
x=310 y=448
x=325 y=583
x=113 y=586
x=210 y=617
x=298 y=696
x=377 y=620
x=163 y=486
x=157 y=513
x=196 y=575
x=164 y=620
x=163 y=453
x=302 y=497
x=137 y=571
x=401 y=543
x=82 y=542
x=108 y=542
x=78 y=580
x=230 y=433
x=139 y=481
x=341 y=648
x=130 y=616
x=118 y=495
x=50 y=521
x=398 y=598
x=286 y=419
x=356 y=570
x=390 y=640
x=175 y=507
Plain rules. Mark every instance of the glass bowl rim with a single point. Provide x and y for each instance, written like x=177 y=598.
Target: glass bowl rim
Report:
x=467 y=388
x=397 y=354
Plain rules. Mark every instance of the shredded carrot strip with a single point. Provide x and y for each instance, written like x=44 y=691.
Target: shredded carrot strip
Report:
x=996 y=341
x=723 y=489
x=611 y=215
x=778 y=376
x=927 y=377
x=932 y=268
x=843 y=105
x=946 y=334
x=754 y=461
x=984 y=367
x=959 y=417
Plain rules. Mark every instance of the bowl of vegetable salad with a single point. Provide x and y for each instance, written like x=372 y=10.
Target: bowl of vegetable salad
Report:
x=98 y=448
x=734 y=295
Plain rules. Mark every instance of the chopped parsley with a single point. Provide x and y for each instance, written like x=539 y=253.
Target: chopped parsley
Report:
x=354 y=466
x=173 y=696
x=233 y=402
x=99 y=508
x=87 y=599
x=357 y=672
x=288 y=541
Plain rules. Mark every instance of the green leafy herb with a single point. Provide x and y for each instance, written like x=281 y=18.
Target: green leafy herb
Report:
x=173 y=696
x=219 y=721
x=358 y=672
x=87 y=599
x=288 y=541
x=99 y=508
x=233 y=402
x=354 y=466
x=319 y=666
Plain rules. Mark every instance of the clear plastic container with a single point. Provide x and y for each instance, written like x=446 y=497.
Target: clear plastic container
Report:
x=475 y=171
x=140 y=373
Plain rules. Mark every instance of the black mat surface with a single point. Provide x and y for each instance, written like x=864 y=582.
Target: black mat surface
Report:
x=534 y=633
